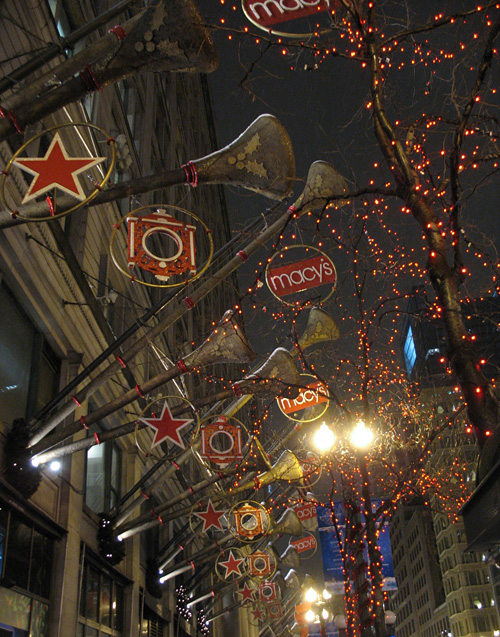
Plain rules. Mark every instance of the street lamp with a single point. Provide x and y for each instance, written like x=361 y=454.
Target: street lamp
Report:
x=319 y=611
x=361 y=436
x=324 y=438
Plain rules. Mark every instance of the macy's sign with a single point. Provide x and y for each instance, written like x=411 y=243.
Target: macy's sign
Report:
x=309 y=396
x=306 y=543
x=265 y=13
x=300 y=276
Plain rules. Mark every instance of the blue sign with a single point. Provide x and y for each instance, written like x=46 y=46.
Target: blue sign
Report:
x=332 y=558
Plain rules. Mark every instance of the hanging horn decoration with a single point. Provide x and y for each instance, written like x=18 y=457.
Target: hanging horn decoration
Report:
x=287 y=467
x=166 y=36
x=277 y=375
x=320 y=328
x=288 y=524
x=226 y=344
x=323 y=184
x=268 y=168
x=260 y=159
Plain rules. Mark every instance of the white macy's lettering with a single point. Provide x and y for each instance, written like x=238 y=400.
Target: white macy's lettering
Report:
x=304 y=544
x=301 y=276
x=282 y=6
x=304 y=397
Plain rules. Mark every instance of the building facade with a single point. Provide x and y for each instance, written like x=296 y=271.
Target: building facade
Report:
x=62 y=304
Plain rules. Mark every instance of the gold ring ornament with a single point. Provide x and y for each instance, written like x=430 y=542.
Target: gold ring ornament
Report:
x=58 y=171
x=285 y=276
x=161 y=247
x=175 y=434
x=312 y=400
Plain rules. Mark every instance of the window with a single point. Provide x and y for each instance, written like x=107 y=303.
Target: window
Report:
x=101 y=602
x=410 y=352
x=103 y=476
x=29 y=370
x=25 y=562
x=25 y=555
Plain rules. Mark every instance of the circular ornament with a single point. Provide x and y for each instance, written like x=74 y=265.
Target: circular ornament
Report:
x=224 y=443
x=175 y=434
x=58 y=171
x=307 y=281
x=264 y=15
x=230 y=565
x=160 y=246
x=249 y=521
x=311 y=403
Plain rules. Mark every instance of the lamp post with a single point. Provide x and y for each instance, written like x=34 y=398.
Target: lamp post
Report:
x=319 y=611
x=361 y=438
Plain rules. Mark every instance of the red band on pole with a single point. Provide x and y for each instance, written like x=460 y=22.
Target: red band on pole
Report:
x=181 y=366
x=76 y=401
x=292 y=210
x=121 y=361
x=176 y=465
x=97 y=438
x=119 y=31
x=139 y=391
x=89 y=79
x=50 y=204
x=12 y=119
x=189 y=302
x=145 y=495
x=236 y=390
x=84 y=424
x=191 y=174
x=243 y=255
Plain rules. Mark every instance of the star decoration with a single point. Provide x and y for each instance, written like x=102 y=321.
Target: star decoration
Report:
x=167 y=427
x=246 y=592
x=257 y=613
x=56 y=170
x=232 y=565
x=211 y=517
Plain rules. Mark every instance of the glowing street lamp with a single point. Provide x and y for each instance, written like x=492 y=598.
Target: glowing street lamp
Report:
x=361 y=436
x=324 y=438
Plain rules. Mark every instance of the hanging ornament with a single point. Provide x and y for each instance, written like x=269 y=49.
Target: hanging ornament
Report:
x=57 y=171
x=274 y=610
x=160 y=248
x=265 y=15
x=245 y=593
x=249 y=521
x=311 y=403
x=230 y=565
x=212 y=517
x=224 y=442
x=268 y=592
x=300 y=283
x=175 y=434
x=306 y=546
x=262 y=564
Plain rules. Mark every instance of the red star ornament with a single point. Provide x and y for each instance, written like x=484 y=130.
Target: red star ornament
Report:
x=56 y=170
x=167 y=427
x=211 y=517
x=232 y=565
x=246 y=592
x=257 y=613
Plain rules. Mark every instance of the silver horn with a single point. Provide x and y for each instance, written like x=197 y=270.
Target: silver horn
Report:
x=323 y=183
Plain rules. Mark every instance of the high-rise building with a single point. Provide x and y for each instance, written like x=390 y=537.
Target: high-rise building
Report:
x=443 y=587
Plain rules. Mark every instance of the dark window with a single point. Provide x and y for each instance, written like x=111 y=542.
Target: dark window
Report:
x=25 y=555
x=29 y=370
x=101 y=602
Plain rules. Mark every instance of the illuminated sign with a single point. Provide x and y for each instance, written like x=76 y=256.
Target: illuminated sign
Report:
x=265 y=13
